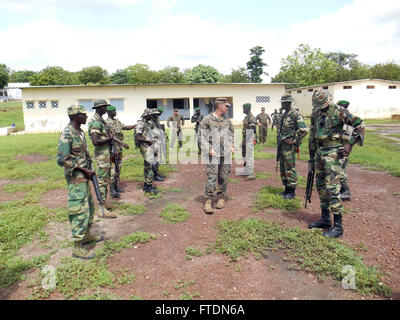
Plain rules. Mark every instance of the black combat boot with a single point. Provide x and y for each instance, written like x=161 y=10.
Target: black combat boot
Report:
x=148 y=188
x=345 y=194
x=323 y=223
x=118 y=188
x=337 y=229
x=157 y=175
x=290 y=194
x=113 y=191
x=284 y=193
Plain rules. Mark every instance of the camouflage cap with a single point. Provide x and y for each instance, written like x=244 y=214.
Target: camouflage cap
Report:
x=99 y=103
x=321 y=98
x=76 y=109
x=287 y=97
x=111 y=108
x=155 y=112
x=147 y=112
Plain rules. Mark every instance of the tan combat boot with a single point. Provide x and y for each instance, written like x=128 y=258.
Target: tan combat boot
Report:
x=220 y=204
x=89 y=238
x=208 y=206
x=80 y=252
x=108 y=205
x=107 y=214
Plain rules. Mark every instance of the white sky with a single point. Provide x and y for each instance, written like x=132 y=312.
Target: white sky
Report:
x=38 y=33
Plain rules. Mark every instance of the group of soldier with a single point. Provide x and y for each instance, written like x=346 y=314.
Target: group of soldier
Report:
x=333 y=132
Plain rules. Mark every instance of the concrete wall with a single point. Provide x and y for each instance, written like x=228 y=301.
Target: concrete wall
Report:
x=380 y=102
x=55 y=119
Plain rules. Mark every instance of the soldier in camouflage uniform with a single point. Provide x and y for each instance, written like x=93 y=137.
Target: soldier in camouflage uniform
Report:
x=345 y=193
x=263 y=119
x=248 y=131
x=292 y=130
x=177 y=123
x=101 y=138
x=161 y=143
x=115 y=126
x=217 y=135
x=145 y=131
x=274 y=117
x=197 y=118
x=73 y=156
x=334 y=131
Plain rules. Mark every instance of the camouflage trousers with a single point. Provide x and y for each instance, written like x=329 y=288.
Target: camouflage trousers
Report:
x=176 y=133
x=114 y=175
x=217 y=173
x=148 y=174
x=80 y=208
x=103 y=162
x=197 y=138
x=344 y=180
x=329 y=172
x=262 y=133
x=287 y=165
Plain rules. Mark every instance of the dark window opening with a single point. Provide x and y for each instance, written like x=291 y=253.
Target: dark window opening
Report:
x=196 y=103
x=370 y=87
x=298 y=91
x=151 y=104
x=392 y=87
x=310 y=90
x=347 y=87
x=325 y=88
x=178 y=103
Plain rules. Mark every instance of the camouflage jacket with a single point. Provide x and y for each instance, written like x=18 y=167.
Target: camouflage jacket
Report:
x=217 y=134
x=147 y=129
x=263 y=119
x=197 y=118
x=98 y=125
x=329 y=127
x=292 y=125
x=249 y=122
x=176 y=121
x=73 y=152
x=116 y=126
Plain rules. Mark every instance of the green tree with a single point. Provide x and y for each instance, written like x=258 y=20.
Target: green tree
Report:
x=93 y=74
x=170 y=75
x=202 y=74
x=121 y=76
x=4 y=75
x=239 y=75
x=53 y=76
x=21 y=76
x=141 y=74
x=306 y=67
x=386 y=71
x=256 y=65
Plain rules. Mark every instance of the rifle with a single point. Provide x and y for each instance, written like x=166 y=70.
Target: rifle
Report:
x=115 y=157
x=96 y=186
x=310 y=180
x=278 y=142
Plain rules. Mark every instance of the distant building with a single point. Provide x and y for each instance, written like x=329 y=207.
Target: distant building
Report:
x=369 y=98
x=12 y=91
x=45 y=107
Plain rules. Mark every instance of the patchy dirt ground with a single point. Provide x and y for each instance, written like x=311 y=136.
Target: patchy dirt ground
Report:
x=372 y=219
x=32 y=158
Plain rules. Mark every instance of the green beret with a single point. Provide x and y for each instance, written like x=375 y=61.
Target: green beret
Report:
x=197 y=109
x=160 y=109
x=247 y=105
x=111 y=108
x=343 y=103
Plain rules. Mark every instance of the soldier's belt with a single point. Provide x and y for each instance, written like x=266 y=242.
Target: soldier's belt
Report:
x=329 y=144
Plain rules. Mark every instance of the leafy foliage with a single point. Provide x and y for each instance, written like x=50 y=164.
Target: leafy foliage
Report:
x=203 y=74
x=256 y=65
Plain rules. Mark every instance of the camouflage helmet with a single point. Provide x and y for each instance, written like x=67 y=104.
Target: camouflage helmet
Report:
x=321 y=99
x=99 y=103
x=76 y=109
x=155 y=112
x=287 y=97
x=146 y=113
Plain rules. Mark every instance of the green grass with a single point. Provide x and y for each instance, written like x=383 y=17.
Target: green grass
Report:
x=174 y=213
x=183 y=284
x=98 y=296
x=193 y=252
x=131 y=209
x=11 y=112
x=263 y=175
x=267 y=197
x=382 y=121
x=305 y=249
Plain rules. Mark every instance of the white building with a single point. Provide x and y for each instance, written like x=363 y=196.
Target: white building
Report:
x=45 y=107
x=369 y=98
x=13 y=91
